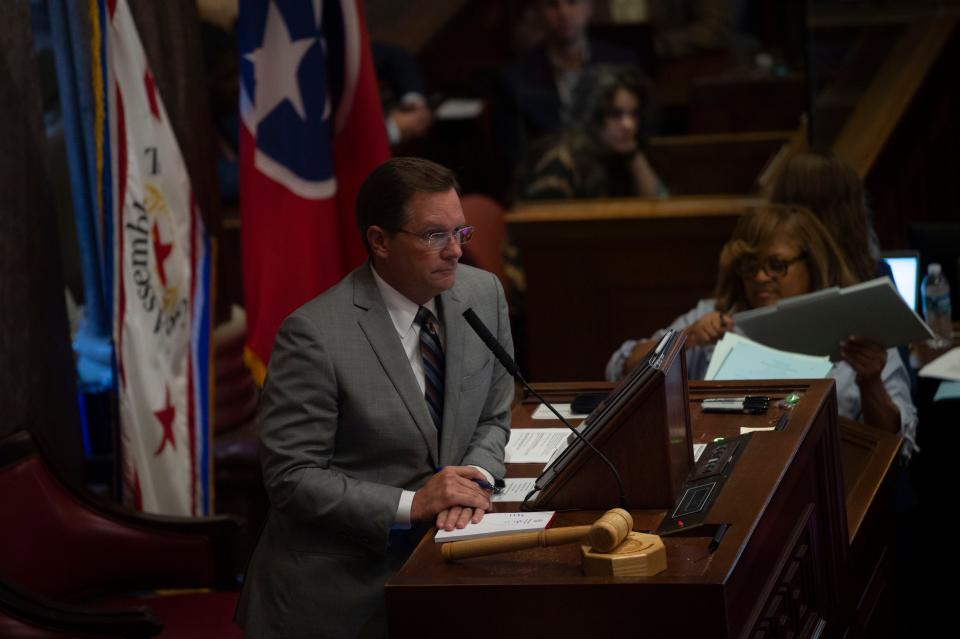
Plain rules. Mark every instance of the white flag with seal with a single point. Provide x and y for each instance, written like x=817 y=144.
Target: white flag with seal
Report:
x=161 y=276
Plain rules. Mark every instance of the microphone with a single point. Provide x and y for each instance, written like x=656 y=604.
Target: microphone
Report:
x=498 y=351
x=511 y=366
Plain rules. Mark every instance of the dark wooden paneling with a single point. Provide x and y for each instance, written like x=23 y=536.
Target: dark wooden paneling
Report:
x=915 y=176
x=593 y=282
x=36 y=361
x=727 y=163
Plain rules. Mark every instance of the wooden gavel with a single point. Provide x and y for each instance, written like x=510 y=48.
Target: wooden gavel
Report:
x=604 y=535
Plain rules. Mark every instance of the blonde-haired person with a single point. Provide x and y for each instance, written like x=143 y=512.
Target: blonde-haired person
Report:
x=776 y=252
x=833 y=191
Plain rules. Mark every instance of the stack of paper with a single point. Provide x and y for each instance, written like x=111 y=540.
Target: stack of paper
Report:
x=737 y=357
x=947 y=368
x=498 y=524
x=816 y=323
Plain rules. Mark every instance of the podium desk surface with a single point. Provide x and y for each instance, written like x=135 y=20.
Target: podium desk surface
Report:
x=785 y=504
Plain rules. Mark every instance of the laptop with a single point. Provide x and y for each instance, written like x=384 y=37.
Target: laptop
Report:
x=905 y=266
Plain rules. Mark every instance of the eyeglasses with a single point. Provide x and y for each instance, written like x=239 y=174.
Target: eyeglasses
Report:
x=440 y=239
x=773 y=266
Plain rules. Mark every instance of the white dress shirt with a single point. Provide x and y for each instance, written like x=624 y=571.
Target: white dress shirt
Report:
x=403 y=312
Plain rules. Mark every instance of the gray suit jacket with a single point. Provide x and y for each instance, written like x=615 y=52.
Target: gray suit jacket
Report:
x=344 y=428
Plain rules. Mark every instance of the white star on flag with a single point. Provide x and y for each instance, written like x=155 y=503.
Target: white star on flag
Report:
x=275 y=67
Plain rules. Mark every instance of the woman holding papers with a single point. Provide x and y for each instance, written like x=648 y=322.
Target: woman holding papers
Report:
x=777 y=252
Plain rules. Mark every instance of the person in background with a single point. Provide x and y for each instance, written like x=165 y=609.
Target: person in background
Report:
x=685 y=27
x=776 y=252
x=533 y=91
x=601 y=151
x=832 y=190
x=405 y=111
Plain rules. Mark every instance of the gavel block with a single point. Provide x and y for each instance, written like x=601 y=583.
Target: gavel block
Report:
x=639 y=555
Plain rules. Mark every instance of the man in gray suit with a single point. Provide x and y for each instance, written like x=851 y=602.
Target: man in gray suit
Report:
x=378 y=418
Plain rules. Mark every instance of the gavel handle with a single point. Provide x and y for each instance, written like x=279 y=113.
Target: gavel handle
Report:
x=455 y=550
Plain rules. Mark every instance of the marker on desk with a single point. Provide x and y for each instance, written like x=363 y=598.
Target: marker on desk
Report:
x=717 y=538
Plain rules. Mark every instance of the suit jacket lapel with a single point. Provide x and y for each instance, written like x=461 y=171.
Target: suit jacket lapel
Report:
x=454 y=335
x=376 y=324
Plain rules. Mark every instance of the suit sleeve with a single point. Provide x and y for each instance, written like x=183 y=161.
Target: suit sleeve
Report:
x=486 y=448
x=298 y=426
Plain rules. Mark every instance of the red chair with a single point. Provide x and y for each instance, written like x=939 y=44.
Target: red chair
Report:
x=485 y=250
x=72 y=566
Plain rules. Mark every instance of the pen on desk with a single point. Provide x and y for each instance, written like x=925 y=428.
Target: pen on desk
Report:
x=782 y=422
x=717 y=538
x=485 y=485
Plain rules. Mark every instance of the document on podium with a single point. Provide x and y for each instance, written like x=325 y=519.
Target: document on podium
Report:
x=514 y=489
x=498 y=524
x=816 y=323
x=736 y=357
x=535 y=445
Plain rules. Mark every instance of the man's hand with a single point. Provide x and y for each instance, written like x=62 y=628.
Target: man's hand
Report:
x=412 y=120
x=452 y=497
x=708 y=329
x=458 y=517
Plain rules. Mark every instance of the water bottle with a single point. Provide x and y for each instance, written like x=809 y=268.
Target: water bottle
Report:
x=936 y=305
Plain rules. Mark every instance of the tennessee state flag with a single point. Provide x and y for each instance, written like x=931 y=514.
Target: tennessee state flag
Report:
x=311 y=130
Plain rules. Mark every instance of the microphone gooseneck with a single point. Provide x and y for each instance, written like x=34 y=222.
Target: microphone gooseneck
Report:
x=511 y=366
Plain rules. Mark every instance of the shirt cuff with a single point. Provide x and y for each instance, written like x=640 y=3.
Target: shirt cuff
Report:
x=486 y=474
x=402 y=518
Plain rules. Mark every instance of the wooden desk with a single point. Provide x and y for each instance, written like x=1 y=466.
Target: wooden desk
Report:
x=783 y=564
x=600 y=272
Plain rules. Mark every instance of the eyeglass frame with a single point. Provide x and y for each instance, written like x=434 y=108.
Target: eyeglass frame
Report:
x=766 y=263
x=456 y=234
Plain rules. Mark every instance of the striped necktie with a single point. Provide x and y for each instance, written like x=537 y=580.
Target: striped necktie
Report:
x=433 y=365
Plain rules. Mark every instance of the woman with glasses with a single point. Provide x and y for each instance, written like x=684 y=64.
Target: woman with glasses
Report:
x=600 y=153
x=776 y=252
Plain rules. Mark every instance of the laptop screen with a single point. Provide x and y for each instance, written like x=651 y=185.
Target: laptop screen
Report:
x=906 y=274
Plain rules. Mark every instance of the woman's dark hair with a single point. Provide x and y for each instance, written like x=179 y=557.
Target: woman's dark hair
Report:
x=832 y=190
x=593 y=95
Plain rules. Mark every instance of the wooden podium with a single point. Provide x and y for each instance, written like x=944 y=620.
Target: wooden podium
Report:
x=643 y=428
x=806 y=553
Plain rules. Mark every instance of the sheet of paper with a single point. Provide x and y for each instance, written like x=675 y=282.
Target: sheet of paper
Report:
x=720 y=353
x=947 y=366
x=697 y=451
x=542 y=412
x=535 y=445
x=498 y=524
x=515 y=489
x=947 y=390
x=458 y=109
x=746 y=359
